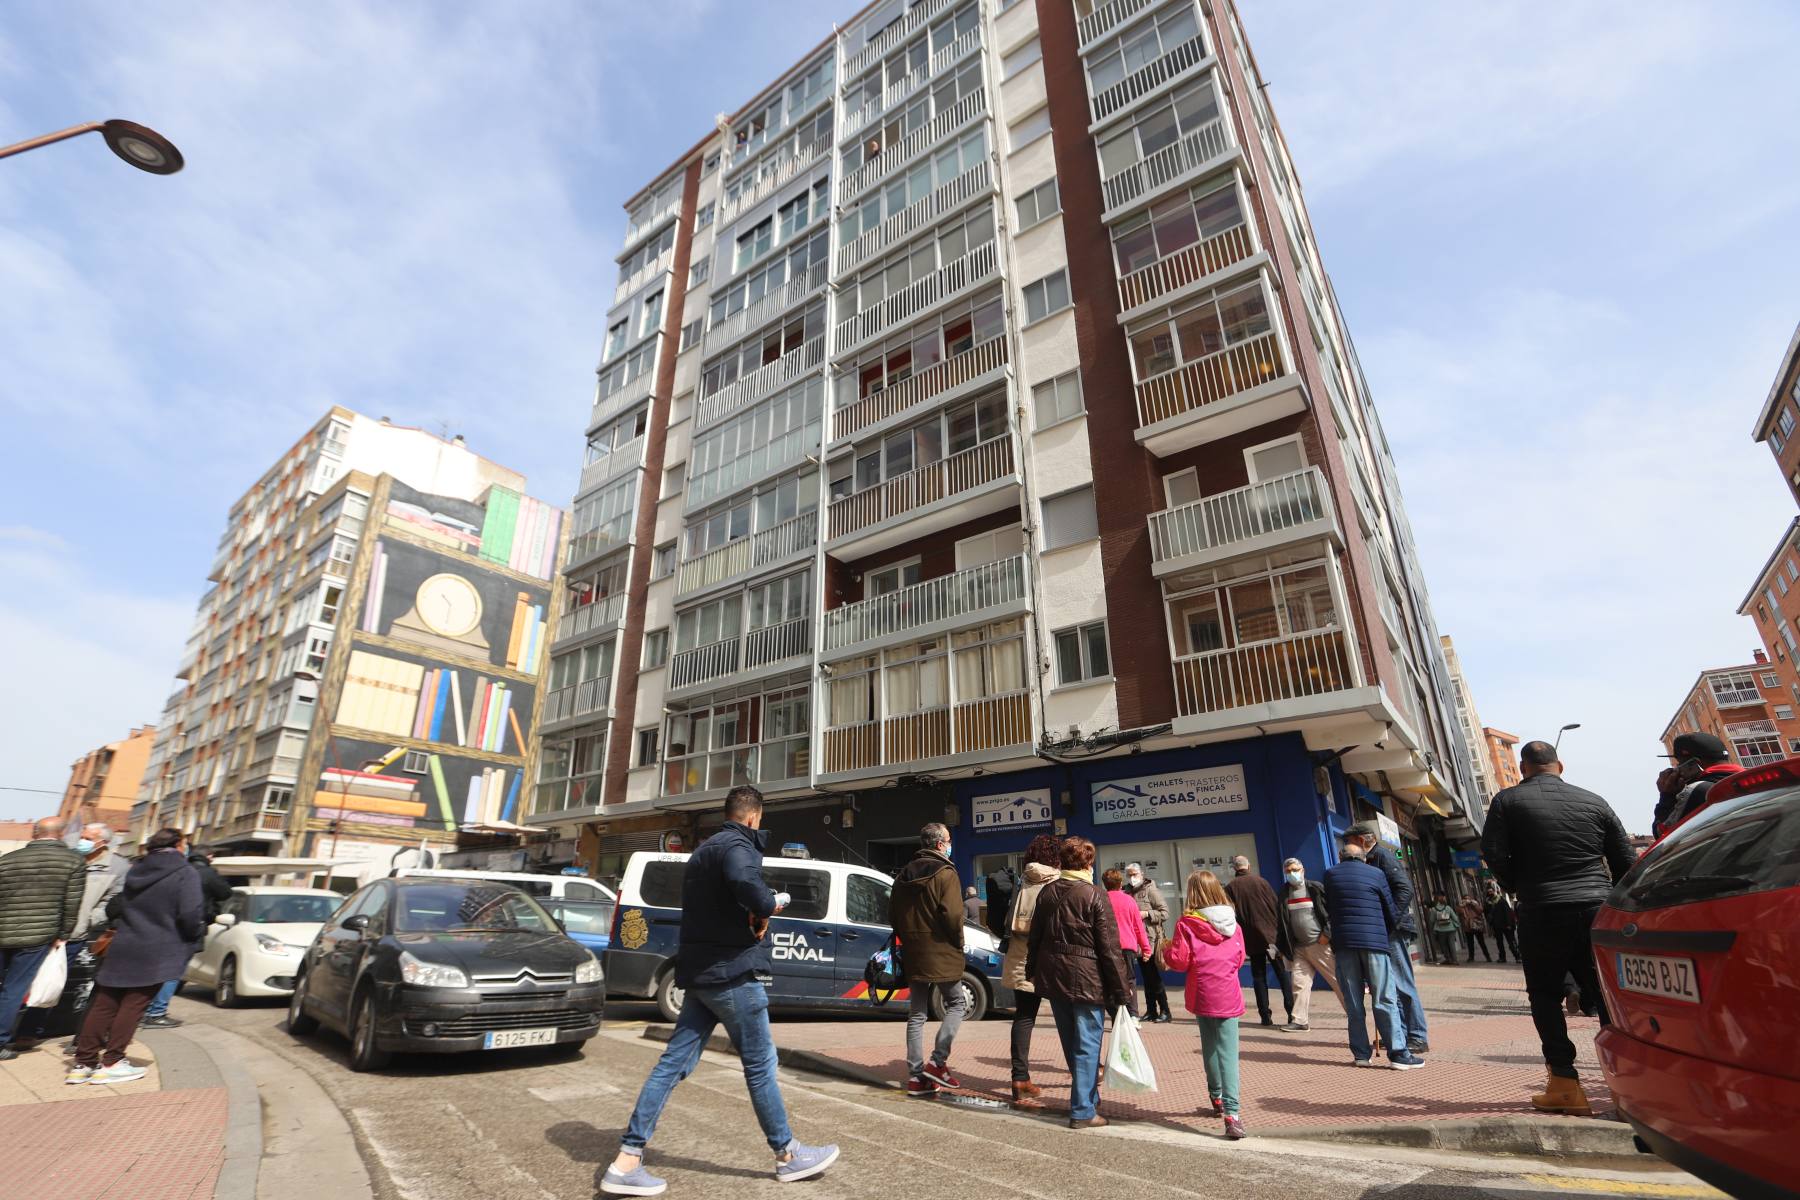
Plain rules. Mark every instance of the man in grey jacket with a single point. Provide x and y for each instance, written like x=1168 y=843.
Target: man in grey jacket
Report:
x=1155 y=910
x=41 y=884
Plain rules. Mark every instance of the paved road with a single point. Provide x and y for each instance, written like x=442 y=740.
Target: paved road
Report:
x=515 y=1126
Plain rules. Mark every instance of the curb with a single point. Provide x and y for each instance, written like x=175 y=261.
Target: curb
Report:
x=189 y=1066
x=1536 y=1136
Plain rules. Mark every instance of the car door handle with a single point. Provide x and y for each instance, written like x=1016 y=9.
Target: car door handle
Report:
x=849 y=936
x=824 y=932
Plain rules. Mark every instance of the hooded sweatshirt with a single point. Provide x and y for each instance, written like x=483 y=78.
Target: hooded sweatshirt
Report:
x=1209 y=947
x=160 y=924
x=1024 y=904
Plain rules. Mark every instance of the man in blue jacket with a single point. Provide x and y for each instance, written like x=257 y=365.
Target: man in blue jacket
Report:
x=724 y=965
x=1412 y=1031
x=1362 y=914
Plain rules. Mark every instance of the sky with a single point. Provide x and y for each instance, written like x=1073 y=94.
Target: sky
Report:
x=1563 y=238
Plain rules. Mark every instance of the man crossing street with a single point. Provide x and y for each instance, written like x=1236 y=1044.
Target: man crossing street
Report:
x=925 y=911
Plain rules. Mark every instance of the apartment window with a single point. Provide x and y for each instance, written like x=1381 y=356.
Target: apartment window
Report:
x=1070 y=518
x=704 y=217
x=886 y=580
x=780 y=601
x=416 y=762
x=722 y=745
x=921 y=259
x=1023 y=132
x=1784 y=712
x=1279 y=605
x=691 y=333
x=961 y=428
x=711 y=164
x=754 y=243
x=652 y=314
x=697 y=273
x=718 y=620
x=1155 y=129
x=922 y=347
x=570 y=772
x=662 y=562
x=803 y=259
x=946 y=163
x=646 y=747
x=779 y=342
x=1057 y=400
x=1781 y=582
x=1081 y=654
x=1734 y=687
x=1793 y=572
x=1771 y=680
x=656 y=648
x=1139 y=46
x=1215 y=323
x=1786 y=421
x=1021 y=58
x=1039 y=204
x=772 y=436
x=1175 y=224
x=674 y=478
x=1045 y=296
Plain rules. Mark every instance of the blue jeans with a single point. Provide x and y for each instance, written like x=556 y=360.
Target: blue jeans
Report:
x=1080 y=1027
x=18 y=967
x=1370 y=968
x=159 y=1003
x=1406 y=991
x=743 y=1008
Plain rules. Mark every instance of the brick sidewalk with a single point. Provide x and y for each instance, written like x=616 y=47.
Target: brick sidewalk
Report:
x=1484 y=1061
x=133 y=1141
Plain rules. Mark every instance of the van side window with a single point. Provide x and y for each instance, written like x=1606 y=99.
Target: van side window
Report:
x=867 y=900
x=810 y=889
x=583 y=891
x=661 y=885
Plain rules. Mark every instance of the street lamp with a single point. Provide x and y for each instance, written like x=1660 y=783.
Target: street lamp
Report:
x=1557 y=745
x=139 y=145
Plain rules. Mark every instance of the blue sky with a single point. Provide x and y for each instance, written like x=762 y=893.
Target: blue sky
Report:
x=1564 y=242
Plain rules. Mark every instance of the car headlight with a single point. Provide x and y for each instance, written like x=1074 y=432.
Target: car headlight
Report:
x=589 y=971
x=424 y=974
x=273 y=945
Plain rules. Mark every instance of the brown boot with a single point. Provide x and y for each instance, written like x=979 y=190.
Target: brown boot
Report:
x=1563 y=1095
x=1025 y=1094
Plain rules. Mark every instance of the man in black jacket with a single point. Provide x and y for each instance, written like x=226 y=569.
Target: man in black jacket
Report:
x=723 y=962
x=1559 y=849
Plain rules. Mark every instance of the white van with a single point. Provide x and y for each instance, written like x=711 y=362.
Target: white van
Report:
x=543 y=887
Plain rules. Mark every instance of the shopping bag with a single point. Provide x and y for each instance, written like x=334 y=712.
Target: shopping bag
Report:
x=47 y=984
x=1128 y=1067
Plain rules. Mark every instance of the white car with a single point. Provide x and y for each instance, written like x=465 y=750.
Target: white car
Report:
x=255 y=945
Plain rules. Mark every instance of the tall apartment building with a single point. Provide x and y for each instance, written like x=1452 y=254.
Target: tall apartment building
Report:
x=1502 y=757
x=1780 y=414
x=1481 y=758
x=978 y=438
x=1750 y=708
x=362 y=673
x=103 y=783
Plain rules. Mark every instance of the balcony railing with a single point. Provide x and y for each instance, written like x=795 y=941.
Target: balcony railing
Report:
x=947 y=598
x=962 y=472
x=922 y=213
x=705 y=662
x=638 y=229
x=976 y=267
x=1218 y=376
x=604 y=613
x=748 y=389
x=758 y=648
x=1107 y=18
x=623 y=458
x=777 y=643
x=1736 y=697
x=1182 y=157
x=1185 y=266
x=902 y=89
x=909 y=147
x=1148 y=78
x=761 y=549
x=1293 y=668
x=1239 y=515
x=916 y=19
x=628 y=284
x=783 y=172
x=988 y=723
x=953 y=372
x=794 y=292
x=577 y=700
x=608 y=407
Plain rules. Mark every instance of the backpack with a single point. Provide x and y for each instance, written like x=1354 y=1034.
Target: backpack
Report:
x=885 y=972
x=1003 y=887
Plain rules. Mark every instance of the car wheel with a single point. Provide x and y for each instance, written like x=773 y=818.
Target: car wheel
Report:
x=973 y=991
x=364 y=1056
x=298 y=1022
x=225 y=993
x=669 y=996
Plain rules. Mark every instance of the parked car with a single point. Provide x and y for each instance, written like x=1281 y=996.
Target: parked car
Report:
x=443 y=966
x=1696 y=949
x=587 y=921
x=253 y=947
x=542 y=887
x=820 y=943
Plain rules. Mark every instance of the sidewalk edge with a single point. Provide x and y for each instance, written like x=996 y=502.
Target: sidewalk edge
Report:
x=243 y=1121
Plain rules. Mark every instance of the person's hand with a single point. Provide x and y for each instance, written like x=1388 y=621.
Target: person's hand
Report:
x=1666 y=779
x=782 y=900
x=1144 y=955
x=1273 y=953
x=1324 y=941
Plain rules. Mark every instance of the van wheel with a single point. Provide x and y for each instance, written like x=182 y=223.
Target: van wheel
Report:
x=669 y=996
x=976 y=992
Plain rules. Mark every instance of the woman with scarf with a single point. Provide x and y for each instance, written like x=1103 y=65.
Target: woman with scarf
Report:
x=1043 y=861
x=1209 y=947
x=1072 y=959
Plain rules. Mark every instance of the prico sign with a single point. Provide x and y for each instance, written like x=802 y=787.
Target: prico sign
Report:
x=1177 y=794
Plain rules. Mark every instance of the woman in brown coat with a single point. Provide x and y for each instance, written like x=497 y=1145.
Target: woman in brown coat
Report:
x=1073 y=961
x=1043 y=860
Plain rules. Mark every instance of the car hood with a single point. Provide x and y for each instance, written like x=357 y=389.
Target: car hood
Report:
x=294 y=933
x=497 y=953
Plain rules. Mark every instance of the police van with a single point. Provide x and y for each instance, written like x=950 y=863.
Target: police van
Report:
x=819 y=943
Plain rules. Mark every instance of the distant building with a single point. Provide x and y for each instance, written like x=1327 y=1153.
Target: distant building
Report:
x=1468 y=721
x=1499 y=757
x=362 y=678
x=13 y=835
x=1780 y=416
x=103 y=783
x=1749 y=708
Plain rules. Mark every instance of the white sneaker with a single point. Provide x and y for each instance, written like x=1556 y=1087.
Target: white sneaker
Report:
x=120 y=1072
x=79 y=1074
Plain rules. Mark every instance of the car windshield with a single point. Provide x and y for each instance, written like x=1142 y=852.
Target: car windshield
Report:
x=452 y=907
x=583 y=916
x=291 y=910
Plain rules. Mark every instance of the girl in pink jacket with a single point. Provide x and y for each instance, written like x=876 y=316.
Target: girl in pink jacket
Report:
x=1208 y=945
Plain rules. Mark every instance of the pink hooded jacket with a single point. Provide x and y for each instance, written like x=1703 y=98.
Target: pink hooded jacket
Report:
x=1210 y=948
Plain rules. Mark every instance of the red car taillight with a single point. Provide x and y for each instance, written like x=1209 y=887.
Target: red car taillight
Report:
x=1785 y=773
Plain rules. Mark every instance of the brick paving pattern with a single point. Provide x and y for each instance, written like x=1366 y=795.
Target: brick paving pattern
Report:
x=1484 y=1061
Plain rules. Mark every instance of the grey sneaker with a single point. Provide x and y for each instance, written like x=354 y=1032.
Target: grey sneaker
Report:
x=120 y=1072
x=636 y=1182
x=803 y=1162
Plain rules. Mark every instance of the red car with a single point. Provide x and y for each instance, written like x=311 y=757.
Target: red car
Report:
x=1699 y=956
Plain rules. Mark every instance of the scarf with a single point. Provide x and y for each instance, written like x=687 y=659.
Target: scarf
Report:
x=1085 y=875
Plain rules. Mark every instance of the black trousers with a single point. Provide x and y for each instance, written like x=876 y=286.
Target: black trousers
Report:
x=1025 y=1015
x=1156 y=1000
x=1504 y=938
x=1257 y=954
x=1555 y=942
x=1470 y=938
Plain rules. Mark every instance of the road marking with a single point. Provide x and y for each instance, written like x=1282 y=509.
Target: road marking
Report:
x=1623 y=1187
x=574 y=1091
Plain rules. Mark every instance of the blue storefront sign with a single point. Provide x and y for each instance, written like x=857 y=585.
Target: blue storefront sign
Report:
x=1190 y=793
x=1469 y=860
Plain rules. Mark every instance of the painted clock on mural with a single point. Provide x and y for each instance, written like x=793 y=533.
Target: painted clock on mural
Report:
x=446 y=613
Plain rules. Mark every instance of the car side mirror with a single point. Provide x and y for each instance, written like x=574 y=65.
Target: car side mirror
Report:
x=358 y=924
x=225 y=919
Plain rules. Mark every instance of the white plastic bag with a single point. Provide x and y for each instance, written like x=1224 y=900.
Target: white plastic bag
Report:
x=47 y=984
x=1128 y=1067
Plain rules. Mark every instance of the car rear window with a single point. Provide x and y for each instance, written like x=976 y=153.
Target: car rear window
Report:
x=810 y=891
x=1744 y=846
x=661 y=884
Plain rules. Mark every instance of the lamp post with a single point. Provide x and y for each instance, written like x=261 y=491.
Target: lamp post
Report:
x=1557 y=745
x=139 y=145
